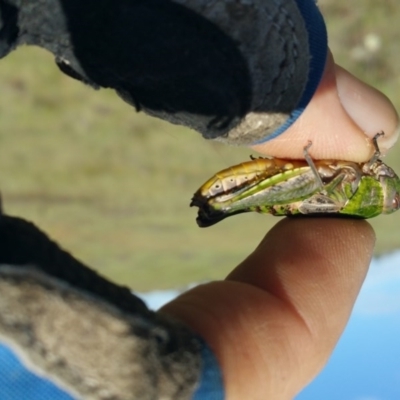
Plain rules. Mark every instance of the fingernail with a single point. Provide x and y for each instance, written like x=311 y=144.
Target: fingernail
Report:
x=370 y=109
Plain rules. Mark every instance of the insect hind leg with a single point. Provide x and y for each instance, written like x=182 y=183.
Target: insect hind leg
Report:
x=319 y=204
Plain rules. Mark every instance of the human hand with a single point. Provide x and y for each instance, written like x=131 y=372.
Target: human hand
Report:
x=275 y=320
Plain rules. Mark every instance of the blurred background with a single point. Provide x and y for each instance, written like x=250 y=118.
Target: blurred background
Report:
x=113 y=187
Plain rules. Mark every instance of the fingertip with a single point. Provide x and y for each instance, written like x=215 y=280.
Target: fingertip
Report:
x=316 y=267
x=369 y=108
x=296 y=245
x=340 y=120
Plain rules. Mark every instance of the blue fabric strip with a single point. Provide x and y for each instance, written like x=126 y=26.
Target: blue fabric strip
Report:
x=318 y=47
x=211 y=386
x=16 y=382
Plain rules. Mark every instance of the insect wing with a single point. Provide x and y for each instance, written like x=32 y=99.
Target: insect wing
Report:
x=244 y=175
x=248 y=185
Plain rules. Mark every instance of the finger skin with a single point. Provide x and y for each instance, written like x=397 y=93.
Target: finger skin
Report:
x=276 y=318
x=340 y=120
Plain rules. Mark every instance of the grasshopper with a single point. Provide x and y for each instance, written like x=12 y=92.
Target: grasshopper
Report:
x=304 y=187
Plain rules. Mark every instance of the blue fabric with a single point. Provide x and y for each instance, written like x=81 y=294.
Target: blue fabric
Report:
x=211 y=385
x=318 y=47
x=17 y=383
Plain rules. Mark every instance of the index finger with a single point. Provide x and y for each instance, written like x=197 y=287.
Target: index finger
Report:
x=275 y=320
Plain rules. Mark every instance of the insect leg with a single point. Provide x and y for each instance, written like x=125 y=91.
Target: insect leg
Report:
x=319 y=204
x=377 y=153
x=311 y=164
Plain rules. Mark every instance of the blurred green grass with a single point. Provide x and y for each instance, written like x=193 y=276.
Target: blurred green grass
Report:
x=113 y=187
